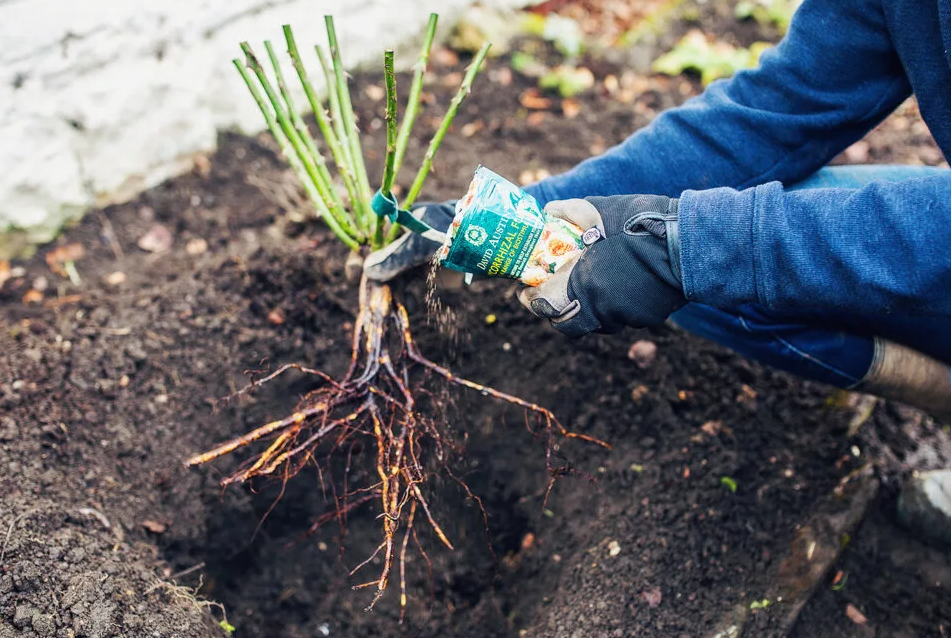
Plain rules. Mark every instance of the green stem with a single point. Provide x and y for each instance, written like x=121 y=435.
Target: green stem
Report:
x=290 y=153
x=333 y=200
x=361 y=204
x=427 y=165
x=415 y=91
x=283 y=119
x=335 y=117
x=346 y=110
x=323 y=122
x=389 y=174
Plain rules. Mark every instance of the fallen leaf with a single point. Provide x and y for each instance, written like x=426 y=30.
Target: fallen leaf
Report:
x=652 y=597
x=158 y=239
x=374 y=92
x=154 y=526
x=33 y=296
x=452 y=79
x=712 y=428
x=444 y=56
x=570 y=108
x=537 y=118
x=4 y=271
x=202 y=165
x=472 y=128
x=747 y=394
x=63 y=301
x=639 y=393
x=528 y=541
x=531 y=99
x=855 y=615
x=60 y=255
x=503 y=76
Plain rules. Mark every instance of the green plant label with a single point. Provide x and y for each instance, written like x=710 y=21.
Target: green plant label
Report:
x=493 y=244
x=496 y=229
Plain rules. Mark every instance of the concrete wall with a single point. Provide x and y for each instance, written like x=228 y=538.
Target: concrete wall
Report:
x=100 y=99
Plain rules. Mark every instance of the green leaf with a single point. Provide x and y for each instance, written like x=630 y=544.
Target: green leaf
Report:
x=568 y=81
x=729 y=482
x=839 y=586
x=527 y=65
x=227 y=626
x=565 y=34
x=744 y=9
x=713 y=60
x=760 y=604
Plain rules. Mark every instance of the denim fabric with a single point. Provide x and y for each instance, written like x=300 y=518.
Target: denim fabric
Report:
x=745 y=239
x=821 y=345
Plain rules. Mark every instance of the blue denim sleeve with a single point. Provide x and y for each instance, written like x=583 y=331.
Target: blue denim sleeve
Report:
x=880 y=249
x=833 y=77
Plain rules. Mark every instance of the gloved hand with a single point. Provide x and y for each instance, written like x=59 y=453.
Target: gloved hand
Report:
x=411 y=249
x=630 y=277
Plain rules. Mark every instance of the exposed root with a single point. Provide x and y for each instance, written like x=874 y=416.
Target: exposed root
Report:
x=375 y=403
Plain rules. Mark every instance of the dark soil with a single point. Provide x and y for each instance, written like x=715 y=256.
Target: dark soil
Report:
x=104 y=394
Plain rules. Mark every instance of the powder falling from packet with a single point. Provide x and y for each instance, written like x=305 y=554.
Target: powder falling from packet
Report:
x=500 y=231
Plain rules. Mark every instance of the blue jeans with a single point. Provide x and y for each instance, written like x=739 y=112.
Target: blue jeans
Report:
x=819 y=344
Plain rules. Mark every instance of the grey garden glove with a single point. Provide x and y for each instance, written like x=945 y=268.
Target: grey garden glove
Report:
x=411 y=249
x=629 y=277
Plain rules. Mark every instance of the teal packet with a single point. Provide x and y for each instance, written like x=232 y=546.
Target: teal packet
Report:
x=499 y=230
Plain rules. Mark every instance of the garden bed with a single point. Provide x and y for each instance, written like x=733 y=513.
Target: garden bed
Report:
x=108 y=385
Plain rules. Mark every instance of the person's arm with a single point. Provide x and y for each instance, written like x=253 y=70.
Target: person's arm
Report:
x=833 y=77
x=880 y=249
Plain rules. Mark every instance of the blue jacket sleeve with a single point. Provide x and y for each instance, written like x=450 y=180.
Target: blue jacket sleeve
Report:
x=881 y=249
x=833 y=77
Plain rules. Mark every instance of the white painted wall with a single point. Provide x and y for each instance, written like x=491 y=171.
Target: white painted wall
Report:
x=100 y=99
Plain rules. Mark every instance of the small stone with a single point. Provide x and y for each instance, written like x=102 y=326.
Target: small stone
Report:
x=158 y=239
x=41 y=283
x=638 y=393
x=652 y=597
x=924 y=505
x=614 y=548
x=642 y=353
x=196 y=246
x=276 y=317
x=858 y=153
x=115 y=278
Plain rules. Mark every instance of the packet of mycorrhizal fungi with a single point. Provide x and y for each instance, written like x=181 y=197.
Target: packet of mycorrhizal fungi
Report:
x=499 y=230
